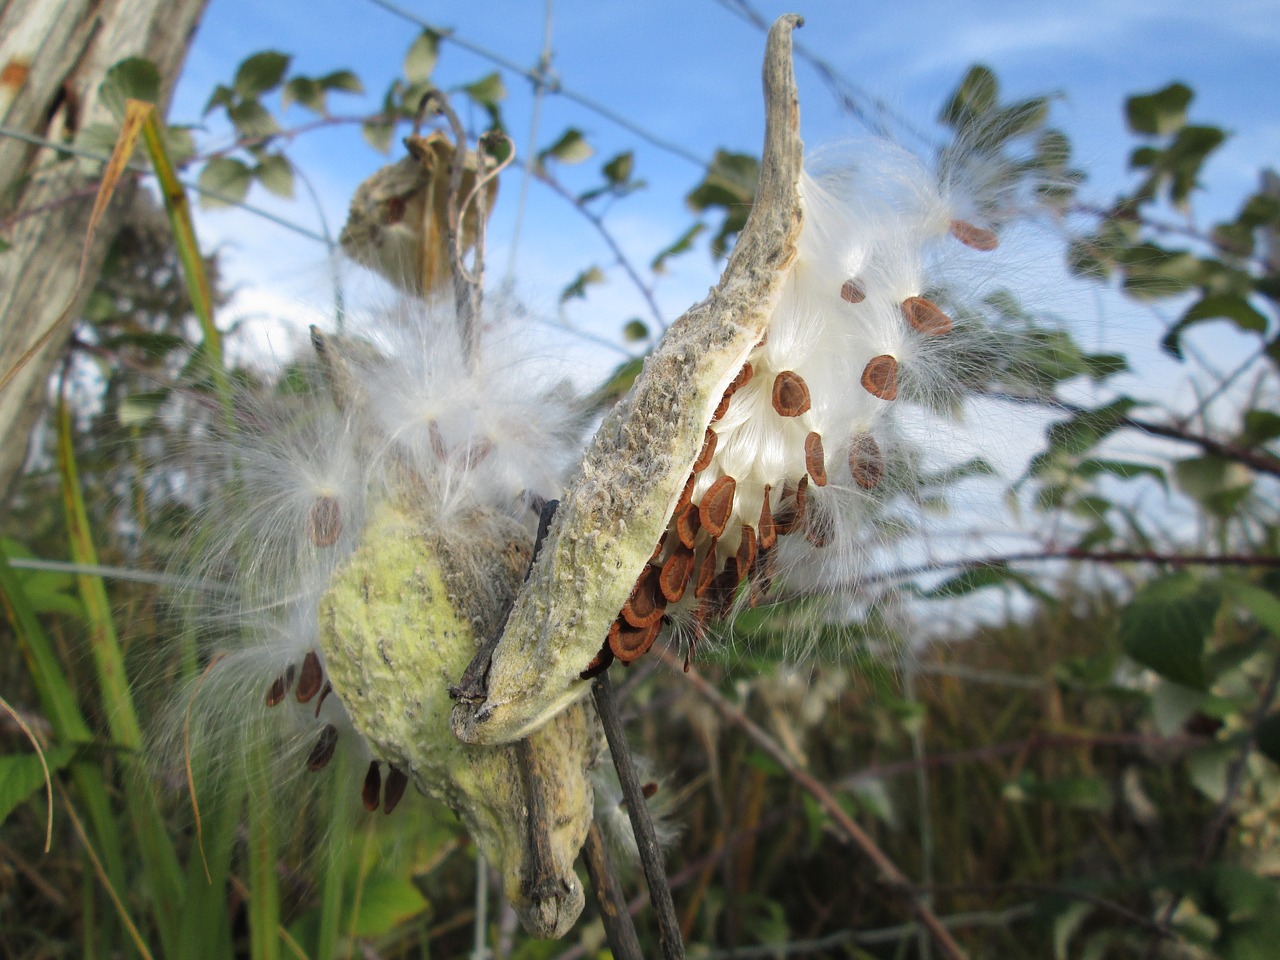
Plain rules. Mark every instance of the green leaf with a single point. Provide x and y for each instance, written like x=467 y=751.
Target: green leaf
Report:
x=139 y=408
x=21 y=775
x=378 y=134
x=421 y=57
x=729 y=184
x=578 y=288
x=619 y=382
x=251 y=119
x=226 y=176
x=1081 y=432
x=618 y=170
x=977 y=94
x=386 y=902
x=276 y=174
x=1159 y=113
x=343 y=80
x=1165 y=626
x=1263 y=605
x=1237 y=309
x=1260 y=426
x=488 y=91
x=1267 y=738
x=306 y=91
x=682 y=244
x=979 y=578
x=1124 y=469
x=132 y=79
x=635 y=331
x=571 y=147
x=260 y=72
x=222 y=96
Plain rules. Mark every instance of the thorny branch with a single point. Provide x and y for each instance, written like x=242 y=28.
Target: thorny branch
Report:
x=890 y=875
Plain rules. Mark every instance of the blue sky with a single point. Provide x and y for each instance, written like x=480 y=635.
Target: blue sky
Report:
x=689 y=72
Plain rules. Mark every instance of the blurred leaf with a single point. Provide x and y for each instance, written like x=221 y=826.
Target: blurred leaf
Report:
x=222 y=96
x=139 y=408
x=618 y=170
x=378 y=134
x=682 y=244
x=578 y=288
x=730 y=185
x=420 y=60
x=1073 y=793
x=1123 y=469
x=1268 y=738
x=343 y=80
x=1159 y=113
x=635 y=331
x=385 y=902
x=1165 y=625
x=260 y=72
x=1237 y=309
x=976 y=95
x=276 y=174
x=21 y=775
x=619 y=382
x=571 y=147
x=226 y=176
x=1263 y=605
x=1260 y=426
x=306 y=91
x=983 y=576
x=131 y=79
x=252 y=120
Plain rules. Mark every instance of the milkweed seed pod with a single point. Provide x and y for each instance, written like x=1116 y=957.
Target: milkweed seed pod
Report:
x=756 y=442
x=375 y=533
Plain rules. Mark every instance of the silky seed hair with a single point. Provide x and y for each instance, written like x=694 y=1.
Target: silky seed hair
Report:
x=282 y=500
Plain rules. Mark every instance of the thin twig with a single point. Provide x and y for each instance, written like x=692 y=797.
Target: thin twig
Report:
x=890 y=874
x=619 y=931
x=641 y=823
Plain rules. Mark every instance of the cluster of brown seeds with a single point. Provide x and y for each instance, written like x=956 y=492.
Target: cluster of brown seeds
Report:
x=312 y=685
x=688 y=555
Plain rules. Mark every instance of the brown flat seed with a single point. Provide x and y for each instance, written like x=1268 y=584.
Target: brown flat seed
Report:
x=746 y=557
x=742 y=379
x=973 y=236
x=657 y=551
x=707 y=452
x=820 y=528
x=687 y=493
x=311 y=679
x=322 y=752
x=720 y=596
x=328 y=689
x=706 y=573
x=761 y=577
x=478 y=452
x=397 y=780
x=646 y=604
x=721 y=408
x=717 y=505
x=325 y=523
x=688 y=523
x=599 y=663
x=853 y=292
x=629 y=643
x=814 y=459
x=676 y=573
x=276 y=692
x=790 y=394
x=926 y=316
x=880 y=377
x=437 y=440
x=768 y=534
x=865 y=462
x=371 y=792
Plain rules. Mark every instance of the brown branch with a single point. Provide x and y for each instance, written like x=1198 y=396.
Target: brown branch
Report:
x=890 y=875
x=1255 y=459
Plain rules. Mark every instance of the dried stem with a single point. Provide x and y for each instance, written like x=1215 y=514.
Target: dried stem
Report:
x=618 y=928
x=890 y=875
x=641 y=822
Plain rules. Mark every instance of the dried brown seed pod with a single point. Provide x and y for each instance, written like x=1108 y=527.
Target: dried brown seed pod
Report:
x=926 y=316
x=311 y=679
x=790 y=394
x=324 y=525
x=865 y=461
x=880 y=377
x=322 y=752
x=717 y=505
x=814 y=459
x=974 y=236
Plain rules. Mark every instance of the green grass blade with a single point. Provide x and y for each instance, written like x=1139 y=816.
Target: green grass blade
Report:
x=160 y=863
x=264 y=884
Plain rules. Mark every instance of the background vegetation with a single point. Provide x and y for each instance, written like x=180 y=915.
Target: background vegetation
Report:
x=1090 y=774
